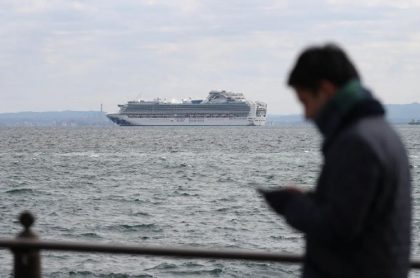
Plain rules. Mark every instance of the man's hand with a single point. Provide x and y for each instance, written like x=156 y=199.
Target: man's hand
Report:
x=279 y=198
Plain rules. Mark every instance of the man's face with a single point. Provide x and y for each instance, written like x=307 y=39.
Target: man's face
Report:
x=311 y=101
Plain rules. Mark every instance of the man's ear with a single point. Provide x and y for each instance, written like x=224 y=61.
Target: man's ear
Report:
x=327 y=88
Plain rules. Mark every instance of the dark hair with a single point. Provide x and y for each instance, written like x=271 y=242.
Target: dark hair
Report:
x=316 y=63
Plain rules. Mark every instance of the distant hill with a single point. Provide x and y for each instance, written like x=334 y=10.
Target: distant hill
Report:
x=396 y=113
x=285 y=119
x=63 y=118
x=403 y=113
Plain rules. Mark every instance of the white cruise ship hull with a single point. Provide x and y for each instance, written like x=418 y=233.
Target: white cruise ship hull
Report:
x=125 y=120
x=220 y=108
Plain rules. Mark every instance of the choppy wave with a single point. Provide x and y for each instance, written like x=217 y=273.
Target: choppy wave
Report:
x=20 y=191
x=88 y=274
x=188 y=187
x=136 y=227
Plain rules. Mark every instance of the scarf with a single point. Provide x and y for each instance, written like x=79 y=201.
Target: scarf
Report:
x=351 y=103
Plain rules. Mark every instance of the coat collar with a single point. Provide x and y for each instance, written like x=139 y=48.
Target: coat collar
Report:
x=351 y=103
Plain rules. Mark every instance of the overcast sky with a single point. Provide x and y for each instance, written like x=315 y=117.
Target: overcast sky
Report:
x=74 y=55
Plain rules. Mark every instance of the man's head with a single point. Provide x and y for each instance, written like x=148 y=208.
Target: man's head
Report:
x=319 y=72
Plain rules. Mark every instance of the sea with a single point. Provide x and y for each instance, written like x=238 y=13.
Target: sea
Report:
x=166 y=187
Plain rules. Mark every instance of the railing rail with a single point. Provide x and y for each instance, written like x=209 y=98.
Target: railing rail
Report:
x=26 y=244
x=28 y=262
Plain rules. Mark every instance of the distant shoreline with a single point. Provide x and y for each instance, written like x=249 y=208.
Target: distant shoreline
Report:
x=396 y=113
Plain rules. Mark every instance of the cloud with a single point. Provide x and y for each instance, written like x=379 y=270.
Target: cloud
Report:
x=43 y=6
x=111 y=50
x=402 y=4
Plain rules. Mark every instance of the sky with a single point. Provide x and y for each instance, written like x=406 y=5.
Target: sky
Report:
x=76 y=55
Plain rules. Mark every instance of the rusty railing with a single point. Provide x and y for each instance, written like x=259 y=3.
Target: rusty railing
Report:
x=27 y=260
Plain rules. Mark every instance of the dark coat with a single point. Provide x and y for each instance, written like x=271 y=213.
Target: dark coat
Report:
x=357 y=220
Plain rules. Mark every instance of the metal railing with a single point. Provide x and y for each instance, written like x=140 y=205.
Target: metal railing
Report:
x=27 y=260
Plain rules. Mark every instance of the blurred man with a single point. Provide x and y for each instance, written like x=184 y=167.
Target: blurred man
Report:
x=357 y=219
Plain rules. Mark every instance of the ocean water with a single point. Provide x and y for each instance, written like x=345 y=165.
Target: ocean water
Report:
x=163 y=186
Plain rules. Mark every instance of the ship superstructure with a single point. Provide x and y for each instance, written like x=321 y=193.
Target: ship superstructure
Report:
x=219 y=108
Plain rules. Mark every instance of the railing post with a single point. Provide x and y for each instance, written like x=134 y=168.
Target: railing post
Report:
x=27 y=262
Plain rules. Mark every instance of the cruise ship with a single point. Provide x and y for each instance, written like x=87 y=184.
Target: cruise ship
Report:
x=220 y=108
